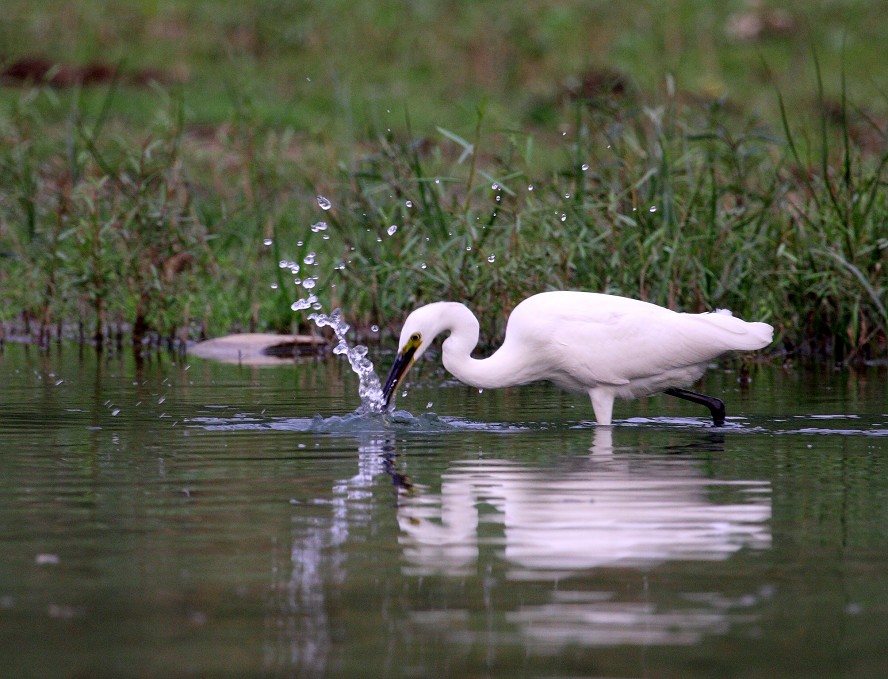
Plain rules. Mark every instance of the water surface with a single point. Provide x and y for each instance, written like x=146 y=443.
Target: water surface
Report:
x=194 y=519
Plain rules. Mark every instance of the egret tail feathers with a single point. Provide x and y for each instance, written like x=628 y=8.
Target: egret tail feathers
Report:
x=735 y=333
x=763 y=333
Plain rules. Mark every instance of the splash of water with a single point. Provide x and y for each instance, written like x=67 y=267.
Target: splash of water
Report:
x=369 y=388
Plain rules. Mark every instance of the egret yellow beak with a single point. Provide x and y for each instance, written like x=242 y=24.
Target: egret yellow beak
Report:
x=402 y=364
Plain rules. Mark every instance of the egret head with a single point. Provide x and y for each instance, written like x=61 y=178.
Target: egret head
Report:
x=420 y=328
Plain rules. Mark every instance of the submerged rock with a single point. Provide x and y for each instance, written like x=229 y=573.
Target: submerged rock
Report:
x=258 y=348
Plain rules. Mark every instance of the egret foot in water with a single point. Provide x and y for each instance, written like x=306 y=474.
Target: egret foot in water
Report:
x=606 y=346
x=716 y=405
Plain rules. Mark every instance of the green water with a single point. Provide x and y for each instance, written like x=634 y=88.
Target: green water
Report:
x=194 y=519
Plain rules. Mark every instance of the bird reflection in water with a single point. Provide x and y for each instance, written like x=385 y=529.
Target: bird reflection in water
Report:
x=617 y=512
x=620 y=510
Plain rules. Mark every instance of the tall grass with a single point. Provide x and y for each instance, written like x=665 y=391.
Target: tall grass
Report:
x=99 y=228
x=157 y=234
x=839 y=212
x=179 y=232
x=663 y=203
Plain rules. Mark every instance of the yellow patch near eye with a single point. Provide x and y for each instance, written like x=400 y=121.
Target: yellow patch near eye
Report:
x=415 y=340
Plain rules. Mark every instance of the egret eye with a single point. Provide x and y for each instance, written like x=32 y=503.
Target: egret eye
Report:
x=415 y=337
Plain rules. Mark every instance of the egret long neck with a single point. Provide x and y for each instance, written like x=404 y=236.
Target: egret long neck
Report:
x=499 y=370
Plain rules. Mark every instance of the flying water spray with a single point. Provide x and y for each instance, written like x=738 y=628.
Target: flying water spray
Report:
x=369 y=388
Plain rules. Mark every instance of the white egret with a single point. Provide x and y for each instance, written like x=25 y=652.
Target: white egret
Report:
x=606 y=346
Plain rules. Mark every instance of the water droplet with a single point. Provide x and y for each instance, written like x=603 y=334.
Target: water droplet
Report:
x=437 y=181
x=491 y=259
x=319 y=226
x=374 y=328
x=468 y=248
x=480 y=391
x=297 y=281
x=115 y=412
x=274 y=286
x=563 y=217
x=310 y=258
x=409 y=203
x=324 y=203
x=498 y=198
x=299 y=243
x=392 y=230
x=585 y=166
x=267 y=242
x=283 y=264
x=530 y=187
x=429 y=405
x=653 y=208
x=422 y=265
x=308 y=283
x=494 y=186
x=300 y=304
x=567 y=195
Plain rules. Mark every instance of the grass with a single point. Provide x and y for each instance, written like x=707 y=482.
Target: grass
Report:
x=460 y=163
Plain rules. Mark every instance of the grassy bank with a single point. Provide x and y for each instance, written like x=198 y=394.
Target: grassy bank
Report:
x=180 y=206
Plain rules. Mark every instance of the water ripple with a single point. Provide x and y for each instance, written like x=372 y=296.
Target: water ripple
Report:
x=352 y=423
x=402 y=421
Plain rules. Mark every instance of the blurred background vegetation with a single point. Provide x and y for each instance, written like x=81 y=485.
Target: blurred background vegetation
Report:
x=160 y=162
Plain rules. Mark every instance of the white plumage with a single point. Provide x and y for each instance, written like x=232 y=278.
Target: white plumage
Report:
x=605 y=346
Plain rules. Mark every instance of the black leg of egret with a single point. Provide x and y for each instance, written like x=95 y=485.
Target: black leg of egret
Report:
x=716 y=405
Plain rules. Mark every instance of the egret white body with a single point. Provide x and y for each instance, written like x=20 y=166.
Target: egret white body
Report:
x=606 y=346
